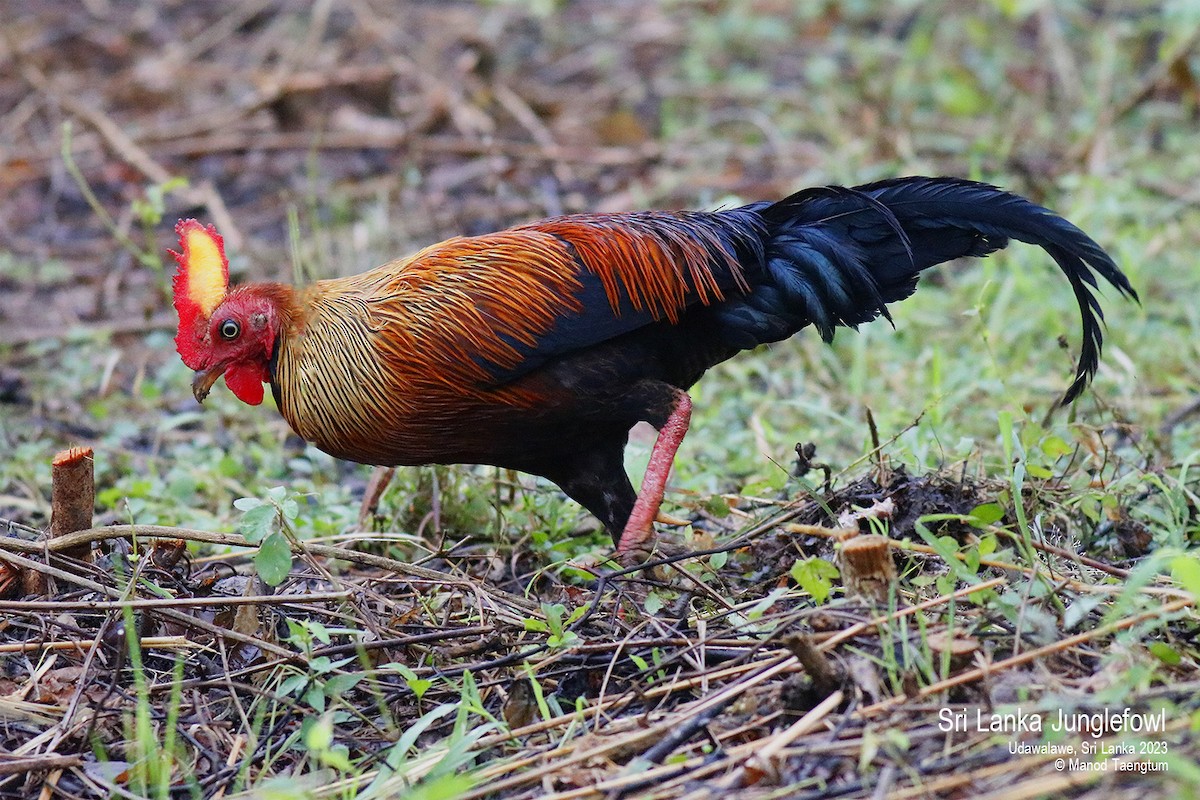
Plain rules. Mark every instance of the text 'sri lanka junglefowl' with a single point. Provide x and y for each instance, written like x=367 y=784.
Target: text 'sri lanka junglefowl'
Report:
x=539 y=347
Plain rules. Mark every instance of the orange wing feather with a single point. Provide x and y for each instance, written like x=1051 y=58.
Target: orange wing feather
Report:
x=654 y=259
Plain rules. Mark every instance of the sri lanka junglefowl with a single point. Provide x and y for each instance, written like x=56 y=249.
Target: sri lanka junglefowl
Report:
x=538 y=348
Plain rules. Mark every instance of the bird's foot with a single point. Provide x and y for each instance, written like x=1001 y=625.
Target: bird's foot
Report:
x=636 y=544
x=639 y=546
x=634 y=556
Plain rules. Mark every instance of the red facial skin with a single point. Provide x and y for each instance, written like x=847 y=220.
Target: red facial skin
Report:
x=242 y=357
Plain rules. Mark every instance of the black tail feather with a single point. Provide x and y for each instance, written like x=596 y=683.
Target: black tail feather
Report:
x=836 y=256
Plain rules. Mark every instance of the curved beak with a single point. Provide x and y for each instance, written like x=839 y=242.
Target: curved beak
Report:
x=203 y=382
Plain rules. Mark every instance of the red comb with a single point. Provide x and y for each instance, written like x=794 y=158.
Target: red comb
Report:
x=199 y=285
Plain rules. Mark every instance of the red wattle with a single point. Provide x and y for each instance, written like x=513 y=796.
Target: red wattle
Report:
x=246 y=382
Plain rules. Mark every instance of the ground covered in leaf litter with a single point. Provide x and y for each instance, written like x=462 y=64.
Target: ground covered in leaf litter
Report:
x=492 y=669
x=737 y=681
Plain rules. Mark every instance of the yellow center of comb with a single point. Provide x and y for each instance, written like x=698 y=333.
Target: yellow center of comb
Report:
x=205 y=271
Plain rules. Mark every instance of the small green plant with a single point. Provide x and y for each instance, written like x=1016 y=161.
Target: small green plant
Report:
x=418 y=685
x=157 y=766
x=653 y=673
x=815 y=576
x=321 y=682
x=431 y=770
x=319 y=742
x=556 y=626
x=548 y=707
x=268 y=522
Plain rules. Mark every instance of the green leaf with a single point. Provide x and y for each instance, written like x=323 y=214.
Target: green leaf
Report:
x=292 y=684
x=1056 y=447
x=1186 y=571
x=815 y=576
x=337 y=757
x=319 y=631
x=418 y=685
x=290 y=509
x=257 y=523
x=443 y=787
x=338 y=685
x=959 y=94
x=987 y=545
x=717 y=506
x=318 y=738
x=247 y=503
x=987 y=514
x=1165 y=653
x=554 y=617
x=320 y=734
x=315 y=697
x=654 y=603
x=273 y=559
x=564 y=640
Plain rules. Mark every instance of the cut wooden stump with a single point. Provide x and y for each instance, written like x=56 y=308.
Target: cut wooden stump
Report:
x=73 y=497
x=72 y=500
x=867 y=567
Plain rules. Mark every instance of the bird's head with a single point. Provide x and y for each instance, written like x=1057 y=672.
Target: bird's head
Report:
x=221 y=331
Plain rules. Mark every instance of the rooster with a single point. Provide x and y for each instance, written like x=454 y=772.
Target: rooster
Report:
x=539 y=347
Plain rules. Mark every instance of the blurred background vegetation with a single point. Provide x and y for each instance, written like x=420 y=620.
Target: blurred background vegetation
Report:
x=326 y=137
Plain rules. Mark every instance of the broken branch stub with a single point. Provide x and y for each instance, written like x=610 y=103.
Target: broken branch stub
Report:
x=73 y=497
x=867 y=567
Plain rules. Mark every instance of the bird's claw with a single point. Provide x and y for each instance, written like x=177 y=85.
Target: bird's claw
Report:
x=664 y=518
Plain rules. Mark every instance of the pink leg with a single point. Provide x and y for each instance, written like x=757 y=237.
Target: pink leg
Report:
x=639 y=530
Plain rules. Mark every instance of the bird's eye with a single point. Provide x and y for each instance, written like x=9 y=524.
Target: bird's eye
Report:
x=230 y=329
